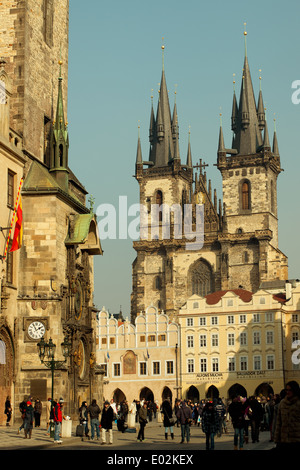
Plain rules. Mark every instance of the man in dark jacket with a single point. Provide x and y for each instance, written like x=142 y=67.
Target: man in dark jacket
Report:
x=94 y=411
x=236 y=411
x=184 y=415
x=255 y=414
x=106 y=422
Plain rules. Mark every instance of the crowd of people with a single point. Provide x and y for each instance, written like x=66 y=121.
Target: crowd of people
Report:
x=279 y=414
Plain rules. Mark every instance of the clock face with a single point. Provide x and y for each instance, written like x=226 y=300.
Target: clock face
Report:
x=36 y=330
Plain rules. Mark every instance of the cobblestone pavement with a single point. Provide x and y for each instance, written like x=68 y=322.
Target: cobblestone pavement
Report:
x=154 y=441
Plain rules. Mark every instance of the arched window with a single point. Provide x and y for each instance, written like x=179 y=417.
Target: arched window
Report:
x=159 y=201
x=201 y=278
x=246 y=195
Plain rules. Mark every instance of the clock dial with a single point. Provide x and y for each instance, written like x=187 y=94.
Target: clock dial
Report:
x=36 y=330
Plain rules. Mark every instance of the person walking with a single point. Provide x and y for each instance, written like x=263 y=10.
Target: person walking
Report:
x=94 y=412
x=210 y=424
x=221 y=411
x=106 y=422
x=255 y=414
x=184 y=415
x=57 y=418
x=22 y=408
x=28 y=420
x=37 y=412
x=287 y=430
x=166 y=409
x=83 y=418
x=143 y=413
x=236 y=411
x=8 y=410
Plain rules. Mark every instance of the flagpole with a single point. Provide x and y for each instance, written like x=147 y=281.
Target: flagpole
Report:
x=13 y=218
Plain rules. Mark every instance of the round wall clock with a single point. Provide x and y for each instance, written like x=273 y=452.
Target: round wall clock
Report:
x=36 y=330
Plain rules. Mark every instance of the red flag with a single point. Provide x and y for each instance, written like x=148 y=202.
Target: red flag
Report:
x=18 y=235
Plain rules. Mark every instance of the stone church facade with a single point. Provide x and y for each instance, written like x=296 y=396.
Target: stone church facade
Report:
x=50 y=279
x=240 y=243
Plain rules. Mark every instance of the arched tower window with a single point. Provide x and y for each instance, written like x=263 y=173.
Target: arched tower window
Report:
x=159 y=201
x=201 y=278
x=245 y=195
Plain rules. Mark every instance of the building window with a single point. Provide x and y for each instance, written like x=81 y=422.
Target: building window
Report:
x=230 y=339
x=190 y=366
x=203 y=364
x=159 y=201
x=257 y=362
x=151 y=338
x=202 y=321
x=104 y=367
x=246 y=195
x=214 y=320
x=231 y=364
x=158 y=283
x=215 y=340
x=256 y=337
x=143 y=368
x=170 y=367
x=243 y=339
x=243 y=363
x=117 y=369
x=230 y=319
x=112 y=340
x=9 y=265
x=270 y=337
x=295 y=318
x=202 y=341
x=215 y=364
x=270 y=362
x=190 y=341
x=190 y=322
x=269 y=317
x=196 y=305
x=243 y=318
x=103 y=341
x=156 y=368
x=10 y=189
x=142 y=339
x=256 y=318
x=161 y=337
x=201 y=279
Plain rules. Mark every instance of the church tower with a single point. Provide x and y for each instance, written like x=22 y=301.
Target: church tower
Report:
x=249 y=172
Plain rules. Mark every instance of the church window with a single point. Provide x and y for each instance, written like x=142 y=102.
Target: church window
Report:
x=61 y=155
x=245 y=195
x=201 y=278
x=48 y=21
x=159 y=201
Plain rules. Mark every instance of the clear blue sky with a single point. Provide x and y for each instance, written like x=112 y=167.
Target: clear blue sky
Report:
x=115 y=61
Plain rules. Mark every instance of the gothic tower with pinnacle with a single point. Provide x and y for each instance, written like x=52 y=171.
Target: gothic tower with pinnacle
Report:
x=240 y=243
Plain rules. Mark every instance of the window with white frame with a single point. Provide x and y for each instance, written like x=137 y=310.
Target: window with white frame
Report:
x=243 y=339
x=116 y=369
x=269 y=316
x=230 y=319
x=203 y=364
x=215 y=364
x=270 y=362
x=257 y=362
x=231 y=364
x=202 y=321
x=230 y=339
x=295 y=318
x=169 y=367
x=190 y=341
x=190 y=366
x=215 y=340
x=256 y=318
x=202 y=343
x=243 y=318
x=256 y=337
x=143 y=368
x=270 y=337
x=243 y=363
x=156 y=367
x=214 y=320
x=190 y=321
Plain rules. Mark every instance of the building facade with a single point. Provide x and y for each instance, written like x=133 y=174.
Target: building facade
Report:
x=140 y=359
x=240 y=342
x=239 y=247
x=50 y=293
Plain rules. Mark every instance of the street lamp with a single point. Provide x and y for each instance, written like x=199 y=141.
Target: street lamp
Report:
x=47 y=354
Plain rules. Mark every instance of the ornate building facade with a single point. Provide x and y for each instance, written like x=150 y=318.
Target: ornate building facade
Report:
x=50 y=291
x=240 y=241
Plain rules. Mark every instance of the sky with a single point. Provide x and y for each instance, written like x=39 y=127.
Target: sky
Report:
x=115 y=61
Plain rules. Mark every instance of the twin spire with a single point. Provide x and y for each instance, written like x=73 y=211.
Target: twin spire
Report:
x=163 y=132
x=248 y=120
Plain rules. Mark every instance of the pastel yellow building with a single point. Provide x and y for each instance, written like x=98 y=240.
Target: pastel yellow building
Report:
x=141 y=360
x=233 y=342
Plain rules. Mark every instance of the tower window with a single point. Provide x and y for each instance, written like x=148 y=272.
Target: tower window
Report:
x=159 y=201
x=246 y=195
x=201 y=279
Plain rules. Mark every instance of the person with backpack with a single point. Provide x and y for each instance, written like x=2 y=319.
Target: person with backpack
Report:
x=184 y=415
x=57 y=418
x=94 y=412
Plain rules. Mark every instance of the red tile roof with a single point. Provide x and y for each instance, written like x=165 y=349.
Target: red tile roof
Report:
x=215 y=297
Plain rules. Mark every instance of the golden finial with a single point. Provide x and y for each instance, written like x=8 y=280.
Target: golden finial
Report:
x=260 y=79
x=233 y=82
x=163 y=58
x=220 y=116
x=245 y=32
x=245 y=35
